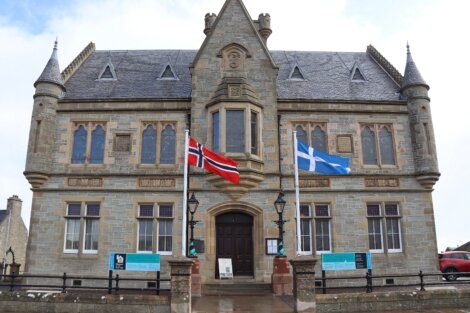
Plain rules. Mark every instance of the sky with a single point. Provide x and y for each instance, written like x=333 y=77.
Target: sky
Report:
x=435 y=29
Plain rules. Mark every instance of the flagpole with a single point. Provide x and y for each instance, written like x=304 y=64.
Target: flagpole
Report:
x=185 y=193
x=297 y=201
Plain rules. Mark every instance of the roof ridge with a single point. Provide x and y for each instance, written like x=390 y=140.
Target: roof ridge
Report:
x=75 y=64
x=385 y=64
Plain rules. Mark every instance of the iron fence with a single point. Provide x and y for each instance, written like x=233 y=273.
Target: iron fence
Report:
x=15 y=281
x=418 y=280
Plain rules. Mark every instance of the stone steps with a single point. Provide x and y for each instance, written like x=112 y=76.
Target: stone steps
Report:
x=236 y=289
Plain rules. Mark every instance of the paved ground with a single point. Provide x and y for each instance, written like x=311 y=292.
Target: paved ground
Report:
x=266 y=304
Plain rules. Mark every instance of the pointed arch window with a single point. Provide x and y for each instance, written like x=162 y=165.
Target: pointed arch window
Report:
x=97 y=145
x=319 y=139
x=79 y=145
x=369 y=147
x=301 y=135
x=149 y=145
x=168 y=145
x=378 y=145
x=387 y=156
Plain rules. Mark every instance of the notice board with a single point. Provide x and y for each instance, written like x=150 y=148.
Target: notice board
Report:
x=225 y=268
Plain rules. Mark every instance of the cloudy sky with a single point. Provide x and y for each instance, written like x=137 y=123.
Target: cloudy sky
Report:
x=434 y=28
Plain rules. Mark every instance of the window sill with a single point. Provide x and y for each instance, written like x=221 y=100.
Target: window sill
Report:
x=323 y=252
x=90 y=252
x=165 y=252
x=305 y=253
x=145 y=252
x=376 y=251
x=70 y=252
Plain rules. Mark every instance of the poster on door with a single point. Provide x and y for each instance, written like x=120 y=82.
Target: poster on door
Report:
x=225 y=268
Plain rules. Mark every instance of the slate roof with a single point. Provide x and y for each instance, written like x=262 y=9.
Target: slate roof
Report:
x=327 y=76
x=412 y=75
x=51 y=73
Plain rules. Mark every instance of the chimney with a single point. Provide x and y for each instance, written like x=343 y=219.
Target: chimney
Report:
x=14 y=206
x=209 y=21
x=264 y=22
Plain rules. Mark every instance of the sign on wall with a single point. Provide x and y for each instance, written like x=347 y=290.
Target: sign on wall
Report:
x=346 y=261
x=225 y=268
x=134 y=261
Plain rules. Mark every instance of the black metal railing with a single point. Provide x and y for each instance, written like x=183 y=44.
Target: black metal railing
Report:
x=65 y=282
x=417 y=280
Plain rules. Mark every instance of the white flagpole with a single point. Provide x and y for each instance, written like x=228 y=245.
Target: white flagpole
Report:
x=185 y=192
x=297 y=201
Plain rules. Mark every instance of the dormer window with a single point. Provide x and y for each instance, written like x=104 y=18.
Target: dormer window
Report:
x=108 y=72
x=356 y=74
x=296 y=74
x=168 y=73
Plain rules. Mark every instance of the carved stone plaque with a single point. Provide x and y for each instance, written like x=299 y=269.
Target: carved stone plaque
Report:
x=234 y=91
x=84 y=182
x=314 y=183
x=156 y=182
x=122 y=143
x=381 y=182
x=344 y=143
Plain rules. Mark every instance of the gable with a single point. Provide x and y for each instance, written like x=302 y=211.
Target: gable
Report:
x=232 y=21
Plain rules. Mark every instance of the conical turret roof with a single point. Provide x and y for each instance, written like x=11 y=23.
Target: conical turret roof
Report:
x=51 y=73
x=412 y=75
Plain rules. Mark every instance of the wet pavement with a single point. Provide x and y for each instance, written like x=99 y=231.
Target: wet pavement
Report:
x=268 y=304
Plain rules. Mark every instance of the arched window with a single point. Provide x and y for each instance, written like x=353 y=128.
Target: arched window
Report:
x=168 y=146
x=301 y=135
x=386 y=146
x=79 y=145
x=369 y=148
x=97 y=145
x=149 y=145
x=319 y=139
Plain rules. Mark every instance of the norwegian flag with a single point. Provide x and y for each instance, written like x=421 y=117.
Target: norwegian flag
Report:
x=200 y=156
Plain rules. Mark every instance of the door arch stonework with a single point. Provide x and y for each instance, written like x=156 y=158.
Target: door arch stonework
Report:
x=210 y=234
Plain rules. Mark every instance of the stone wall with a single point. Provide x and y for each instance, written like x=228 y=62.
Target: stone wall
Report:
x=33 y=302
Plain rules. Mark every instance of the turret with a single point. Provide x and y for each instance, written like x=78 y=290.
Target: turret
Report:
x=209 y=20
x=49 y=89
x=264 y=24
x=415 y=90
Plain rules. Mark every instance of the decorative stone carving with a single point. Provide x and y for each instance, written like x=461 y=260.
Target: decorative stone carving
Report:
x=156 y=182
x=344 y=144
x=381 y=182
x=234 y=59
x=314 y=183
x=85 y=182
x=234 y=56
x=234 y=91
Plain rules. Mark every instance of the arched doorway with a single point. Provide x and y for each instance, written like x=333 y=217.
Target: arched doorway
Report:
x=234 y=240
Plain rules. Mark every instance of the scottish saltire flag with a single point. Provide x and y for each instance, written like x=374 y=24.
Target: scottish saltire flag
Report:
x=314 y=160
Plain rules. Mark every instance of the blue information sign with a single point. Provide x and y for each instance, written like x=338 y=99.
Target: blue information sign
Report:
x=346 y=261
x=134 y=261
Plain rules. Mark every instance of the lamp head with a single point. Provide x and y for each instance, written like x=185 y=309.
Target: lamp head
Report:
x=280 y=203
x=193 y=204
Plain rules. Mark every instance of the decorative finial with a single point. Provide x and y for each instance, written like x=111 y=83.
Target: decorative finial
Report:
x=56 y=42
x=407 y=47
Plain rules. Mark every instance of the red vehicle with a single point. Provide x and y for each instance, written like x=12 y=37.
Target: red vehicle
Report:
x=454 y=262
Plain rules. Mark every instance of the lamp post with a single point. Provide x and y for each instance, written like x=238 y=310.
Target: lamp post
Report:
x=193 y=203
x=279 y=205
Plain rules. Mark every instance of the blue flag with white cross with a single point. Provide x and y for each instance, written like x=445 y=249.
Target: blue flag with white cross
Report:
x=314 y=160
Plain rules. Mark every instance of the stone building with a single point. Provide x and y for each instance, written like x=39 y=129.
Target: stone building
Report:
x=13 y=232
x=106 y=150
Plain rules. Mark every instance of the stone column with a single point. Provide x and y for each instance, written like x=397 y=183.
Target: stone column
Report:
x=303 y=269
x=281 y=279
x=180 y=269
x=196 y=288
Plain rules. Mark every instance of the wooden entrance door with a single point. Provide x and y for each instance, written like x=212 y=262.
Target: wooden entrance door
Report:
x=235 y=241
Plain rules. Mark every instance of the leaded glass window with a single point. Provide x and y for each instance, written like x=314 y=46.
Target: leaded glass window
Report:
x=149 y=145
x=387 y=155
x=168 y=145
x=215 y=131
x=235 y=131
x=79 y=145
x=254 y=132
x=301 y=135
x=97 y=145
x=369 y=148
x=319 y=139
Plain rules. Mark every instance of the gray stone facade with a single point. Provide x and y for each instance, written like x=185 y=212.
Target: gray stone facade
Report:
x=233 y=70
x=13 y=232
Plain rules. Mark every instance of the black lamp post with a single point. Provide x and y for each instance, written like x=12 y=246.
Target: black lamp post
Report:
x=193 y=203
x=279 y=205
